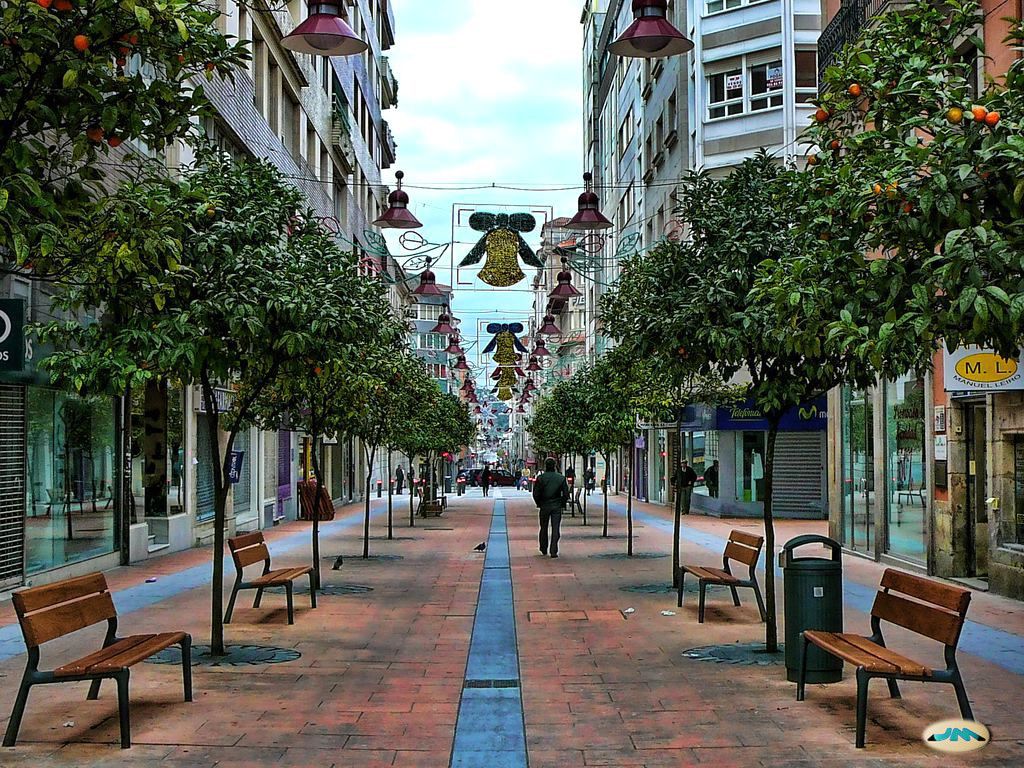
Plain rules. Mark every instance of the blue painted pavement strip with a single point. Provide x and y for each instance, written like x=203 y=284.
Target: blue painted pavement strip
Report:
x=490 y=730
x=989 y=643
x=166 y=587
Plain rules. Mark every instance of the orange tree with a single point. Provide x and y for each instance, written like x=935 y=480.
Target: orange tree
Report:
x=927 y=176
x=77 y=79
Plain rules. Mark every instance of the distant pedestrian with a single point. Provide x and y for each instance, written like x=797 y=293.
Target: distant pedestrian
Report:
x=550 y=494
x=711 y=479
x=525 y=484
x=399 y=480
x=684 y=480
x=589 y=479
x=485 y=478
x=570 y=476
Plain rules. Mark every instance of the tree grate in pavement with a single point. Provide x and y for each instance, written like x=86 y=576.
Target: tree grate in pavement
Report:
x=634 y=556
x=350 y=559
x=332 y=590
x=749 y=654
x=655 y=589
x=491 y=684
x=235 y=656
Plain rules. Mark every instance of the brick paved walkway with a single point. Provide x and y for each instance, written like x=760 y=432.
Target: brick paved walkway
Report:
x=380 y=679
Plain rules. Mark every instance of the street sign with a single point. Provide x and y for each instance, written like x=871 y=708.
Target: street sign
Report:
x=12 y=334
x=235 y=470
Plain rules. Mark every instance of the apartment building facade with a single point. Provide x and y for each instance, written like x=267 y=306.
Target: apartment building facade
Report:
x=320 y=122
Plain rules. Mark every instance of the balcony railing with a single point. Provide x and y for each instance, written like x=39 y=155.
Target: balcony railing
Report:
x=845 y=27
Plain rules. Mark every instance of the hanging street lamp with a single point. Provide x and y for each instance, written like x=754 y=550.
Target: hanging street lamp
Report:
x=444 y=323
x=548 y=328
x=589 y=216
x=565 y=289
x=461 y=364
x=324 y=32
x=428 y=284
x=398 y=215
x=540 y=348
x=651 y=35
x=453 y=346
x=534 y=364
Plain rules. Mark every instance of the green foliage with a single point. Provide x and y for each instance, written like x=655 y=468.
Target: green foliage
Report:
x=561 y=418
x=936 y=195
x=136 y=81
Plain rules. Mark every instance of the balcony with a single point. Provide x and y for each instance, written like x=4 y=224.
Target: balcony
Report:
x=389 y=85
x=341 y=134
x=845 y=27
x=389 y=146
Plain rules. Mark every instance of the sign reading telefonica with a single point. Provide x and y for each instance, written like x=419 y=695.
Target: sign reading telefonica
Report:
x=973 y=369
x=12 y=334
x=807 y=417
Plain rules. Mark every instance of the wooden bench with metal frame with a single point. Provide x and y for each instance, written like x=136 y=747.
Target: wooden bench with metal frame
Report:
x=925 y=607
x=742 y=547
x=52 y=611
x=251 y=548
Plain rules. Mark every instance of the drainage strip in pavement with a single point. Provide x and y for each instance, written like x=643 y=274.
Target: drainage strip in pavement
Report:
x=997 y=646
x=144 y=595
x=490 y=730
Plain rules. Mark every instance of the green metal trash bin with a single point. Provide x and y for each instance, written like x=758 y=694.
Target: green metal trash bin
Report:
x=813 y=589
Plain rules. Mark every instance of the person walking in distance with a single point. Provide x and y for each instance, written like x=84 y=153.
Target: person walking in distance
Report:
x=550 y=494
x=589 y=480
x=684 y=480
x=485 y=478
x=399 y=480
x=711 y=479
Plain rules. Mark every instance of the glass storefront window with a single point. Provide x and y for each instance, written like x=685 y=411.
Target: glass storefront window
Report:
x=750 y=466
x=708 y=457
x=69 y=505
x=858 y=468
x=905 y=435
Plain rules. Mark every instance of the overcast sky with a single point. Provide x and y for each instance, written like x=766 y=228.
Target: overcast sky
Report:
x=489 y=93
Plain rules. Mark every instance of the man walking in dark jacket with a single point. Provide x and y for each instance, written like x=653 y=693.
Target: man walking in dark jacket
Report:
x=550 y=493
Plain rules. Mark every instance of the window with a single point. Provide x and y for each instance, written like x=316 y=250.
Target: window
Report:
x=290 y=123
x=626 y=132
x=433 y=341
x=972 y=72
x=765 y=85
x=806 y=75
x=429 y=311
x=714 y=6
x=725 y=94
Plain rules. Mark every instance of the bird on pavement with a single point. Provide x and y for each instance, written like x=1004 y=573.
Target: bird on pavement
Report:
x=480 y=547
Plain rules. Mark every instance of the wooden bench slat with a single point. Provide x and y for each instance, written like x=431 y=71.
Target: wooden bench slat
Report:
x=250 y=555
x=37 y=598
x=741 y=553
x=862 y=652
x=946 y=595
x=923 y=619
x=711 y=574
x=245 y=540
x=78 y=666
x=747 y=539
x=132 y=656
x=280 y=576
x=60 y=620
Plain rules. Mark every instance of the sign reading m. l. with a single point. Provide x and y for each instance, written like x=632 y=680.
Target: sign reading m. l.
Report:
x=973 y=369
x=12 y=334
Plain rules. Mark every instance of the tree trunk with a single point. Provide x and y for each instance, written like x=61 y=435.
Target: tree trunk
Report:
x=607 y=471
x=318 y=474
x=370 y=451
x=220 y=496
x=677 y=500
x=629 y=502
x=391 y=488
x=771 y=629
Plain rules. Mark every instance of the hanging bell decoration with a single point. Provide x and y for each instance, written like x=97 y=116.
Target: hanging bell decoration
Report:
x=428 y=283
x=565 y=288
x=589 y=216
x=398 y=215
x=504 y=394
x=548 y=326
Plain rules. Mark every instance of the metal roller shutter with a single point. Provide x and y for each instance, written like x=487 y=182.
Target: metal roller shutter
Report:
x=204 y=470
x=799 y=475
x=12 y=484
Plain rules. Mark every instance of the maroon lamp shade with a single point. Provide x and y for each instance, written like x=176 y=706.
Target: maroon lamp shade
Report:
x=520 y=409
x=453 y=346
x=398 y=215
x=565 y=288
x=444 y=323
x=324 y=33
x=589 y=216
x=428 y=284
x=540 y=349
x=534 y=364
x=462 y=365
x=651 y=35
x=548 y=328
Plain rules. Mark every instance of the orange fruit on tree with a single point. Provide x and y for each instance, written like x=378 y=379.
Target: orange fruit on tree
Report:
x=992 y=119
x=812 y=159
x=979 y=113
x=114 y=141
x=63 y=5
x=877 y=189
x=81 y=43
x=836 y=144
x=44 y=3
x=955 y=115
x=210 y=66
x=908 y=207
x=821 y=115
x=854 y=89
x=94 y=133
x=891 y=190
